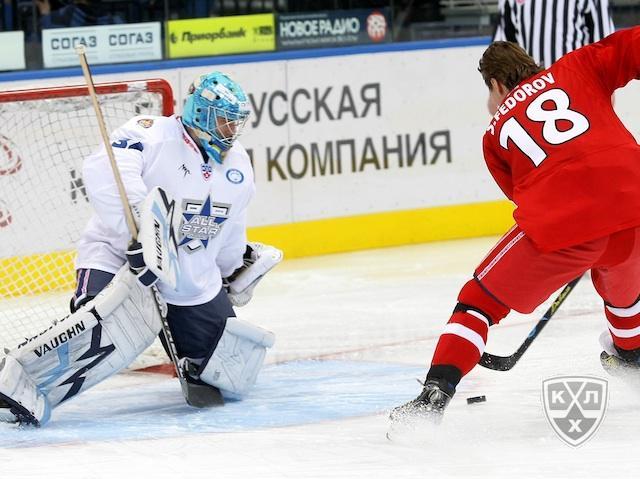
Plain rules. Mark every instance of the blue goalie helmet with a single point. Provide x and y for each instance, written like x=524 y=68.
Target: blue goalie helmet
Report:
x=216 y=110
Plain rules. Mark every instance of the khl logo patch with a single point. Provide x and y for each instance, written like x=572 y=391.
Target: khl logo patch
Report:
x=201 y=222
x=575 y=406
x=206 y=170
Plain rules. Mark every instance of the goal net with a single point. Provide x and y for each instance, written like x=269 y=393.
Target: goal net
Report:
x=44 y=136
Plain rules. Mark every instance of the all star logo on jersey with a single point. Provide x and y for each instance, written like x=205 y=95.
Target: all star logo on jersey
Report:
x=206 y=170
x=201 y=222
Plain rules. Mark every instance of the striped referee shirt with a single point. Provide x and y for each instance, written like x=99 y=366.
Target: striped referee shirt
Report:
x=547 y=29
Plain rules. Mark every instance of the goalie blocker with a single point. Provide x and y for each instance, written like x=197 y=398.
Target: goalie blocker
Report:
x=112 y=329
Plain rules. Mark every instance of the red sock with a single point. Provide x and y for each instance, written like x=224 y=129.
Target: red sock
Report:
x=462 y=343
x=624 y=325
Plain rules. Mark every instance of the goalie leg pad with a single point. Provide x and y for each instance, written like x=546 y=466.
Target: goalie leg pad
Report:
x=236 y=361
x=94 y=343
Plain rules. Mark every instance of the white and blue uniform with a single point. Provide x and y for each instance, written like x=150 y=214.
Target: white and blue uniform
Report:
x=209 y=178
x=211 y=199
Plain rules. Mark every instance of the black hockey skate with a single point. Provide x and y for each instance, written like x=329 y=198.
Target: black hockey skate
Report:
x=430 y=405
x=624 y=363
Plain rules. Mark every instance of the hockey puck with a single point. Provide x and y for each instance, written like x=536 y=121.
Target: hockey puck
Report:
x=476 y=399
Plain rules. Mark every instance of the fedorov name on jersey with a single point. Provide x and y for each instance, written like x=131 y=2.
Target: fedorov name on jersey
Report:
x=520 y=94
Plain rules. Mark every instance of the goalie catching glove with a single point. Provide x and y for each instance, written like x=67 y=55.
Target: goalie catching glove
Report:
x=258 y=260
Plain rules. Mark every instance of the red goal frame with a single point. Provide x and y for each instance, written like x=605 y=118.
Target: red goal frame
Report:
x=157 y=85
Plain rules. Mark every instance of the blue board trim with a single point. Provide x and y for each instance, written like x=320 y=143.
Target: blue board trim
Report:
x=248 y=58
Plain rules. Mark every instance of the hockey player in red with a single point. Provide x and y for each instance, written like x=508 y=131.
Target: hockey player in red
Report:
x=557 y=150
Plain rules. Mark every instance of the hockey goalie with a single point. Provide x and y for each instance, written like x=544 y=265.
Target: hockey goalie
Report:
x=189 y=183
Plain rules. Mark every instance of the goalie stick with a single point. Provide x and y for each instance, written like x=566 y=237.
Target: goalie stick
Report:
x=195 y=394
x=505 y=363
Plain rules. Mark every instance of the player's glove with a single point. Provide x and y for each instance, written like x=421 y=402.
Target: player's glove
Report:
x=138 y=266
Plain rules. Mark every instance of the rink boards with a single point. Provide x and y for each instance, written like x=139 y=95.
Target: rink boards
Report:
x=352 y=148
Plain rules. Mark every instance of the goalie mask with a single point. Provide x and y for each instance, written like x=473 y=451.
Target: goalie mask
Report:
x=216 y=110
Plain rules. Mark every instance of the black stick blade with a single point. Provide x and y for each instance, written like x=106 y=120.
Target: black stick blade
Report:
x=505 y=363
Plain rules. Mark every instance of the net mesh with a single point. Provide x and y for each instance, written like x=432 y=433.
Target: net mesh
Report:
x=43 y=202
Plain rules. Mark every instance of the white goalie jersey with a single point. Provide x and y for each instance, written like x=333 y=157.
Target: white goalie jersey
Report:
x=210 y=204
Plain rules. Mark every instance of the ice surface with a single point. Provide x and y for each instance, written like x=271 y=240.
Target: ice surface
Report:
x=373 y=319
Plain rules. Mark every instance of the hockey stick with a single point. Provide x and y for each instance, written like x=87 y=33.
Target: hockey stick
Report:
x=194 y=394
x=505 y=363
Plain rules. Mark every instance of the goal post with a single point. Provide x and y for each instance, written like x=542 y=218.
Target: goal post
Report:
x=45 y=134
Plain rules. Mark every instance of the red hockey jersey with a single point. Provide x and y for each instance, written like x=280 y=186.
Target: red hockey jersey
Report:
x=557 y=149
